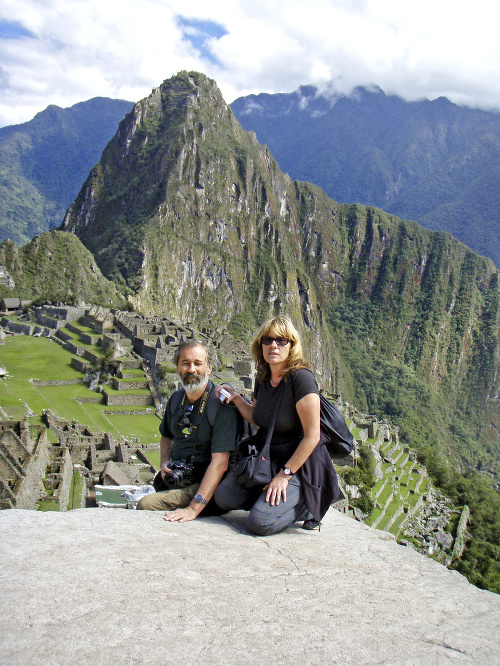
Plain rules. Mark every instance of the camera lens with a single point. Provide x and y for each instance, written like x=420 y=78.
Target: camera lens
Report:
x=174 y=478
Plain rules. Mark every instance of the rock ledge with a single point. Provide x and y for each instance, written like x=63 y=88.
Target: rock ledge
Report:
x=115 y=586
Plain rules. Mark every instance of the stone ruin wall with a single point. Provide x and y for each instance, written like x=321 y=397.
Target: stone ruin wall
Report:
x=59 y=476
x=76 y=437
x=24 y=455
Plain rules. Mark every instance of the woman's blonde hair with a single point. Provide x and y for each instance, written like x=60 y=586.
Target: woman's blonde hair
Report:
x=280 y=327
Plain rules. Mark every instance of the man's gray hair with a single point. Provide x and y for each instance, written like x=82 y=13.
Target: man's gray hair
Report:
x=188 y=344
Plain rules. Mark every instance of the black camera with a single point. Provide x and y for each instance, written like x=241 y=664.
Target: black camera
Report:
x=182 y=471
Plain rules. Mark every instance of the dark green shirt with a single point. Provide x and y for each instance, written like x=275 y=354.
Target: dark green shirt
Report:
x=203 y=440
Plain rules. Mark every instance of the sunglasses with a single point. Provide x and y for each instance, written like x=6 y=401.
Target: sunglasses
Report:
x=281 y=342
x=186 y=420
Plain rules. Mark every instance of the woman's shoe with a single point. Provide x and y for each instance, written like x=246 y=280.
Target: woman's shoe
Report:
x=311 y=524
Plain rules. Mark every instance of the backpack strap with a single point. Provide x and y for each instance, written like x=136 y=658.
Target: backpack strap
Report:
x=213 y=404
x=175 y=400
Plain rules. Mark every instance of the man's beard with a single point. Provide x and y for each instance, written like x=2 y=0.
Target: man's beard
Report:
x=193 y=382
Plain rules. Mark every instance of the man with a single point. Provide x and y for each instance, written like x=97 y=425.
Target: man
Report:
x=186 y=435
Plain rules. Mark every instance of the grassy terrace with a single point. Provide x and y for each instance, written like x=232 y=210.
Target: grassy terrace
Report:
x=396 y=526
x=95 y=349
x=81 y=327
x=139 y=372
x=385 y=448
x=112 y=391
x=136 y=378
x=26 y=357
x=154 y=458
x=373 y=516
x=403 y=489
x=378 y=485
x=389 y=513
x=47 y=505
x=385 y=494
x=356 y=432
x=75 y=491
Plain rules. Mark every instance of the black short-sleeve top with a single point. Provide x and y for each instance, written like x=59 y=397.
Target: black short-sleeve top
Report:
x=203 y=440
x=288 y=430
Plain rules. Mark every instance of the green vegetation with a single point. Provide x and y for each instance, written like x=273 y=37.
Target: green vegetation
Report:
x=381 y=151
x=75 y=492
x=481 y=559
x=47 y=505
x=397 y=385
x=154 y=458
x=56 y=267
x=45 y=161
x=28 y=358
x=363 y=475
x=430 y=420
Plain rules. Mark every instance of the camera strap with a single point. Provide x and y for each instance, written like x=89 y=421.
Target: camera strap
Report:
x=202 y=405
x=198 y=416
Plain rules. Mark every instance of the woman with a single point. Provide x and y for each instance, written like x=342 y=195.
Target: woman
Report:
x=304 y=482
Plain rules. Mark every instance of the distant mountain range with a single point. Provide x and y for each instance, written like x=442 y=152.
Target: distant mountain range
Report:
x=44 y=162
x=429 y=161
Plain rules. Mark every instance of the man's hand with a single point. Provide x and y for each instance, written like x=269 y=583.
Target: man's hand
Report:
x=164 y=469
x=180 y=515
x=166 y=445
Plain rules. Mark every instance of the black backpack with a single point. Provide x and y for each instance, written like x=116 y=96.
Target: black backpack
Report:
x=340 y=441
x=334 y=426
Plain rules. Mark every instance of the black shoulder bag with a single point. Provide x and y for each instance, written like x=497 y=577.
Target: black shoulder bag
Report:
x=255 y=470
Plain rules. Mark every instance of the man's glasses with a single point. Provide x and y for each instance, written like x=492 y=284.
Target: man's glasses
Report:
x=281 y=342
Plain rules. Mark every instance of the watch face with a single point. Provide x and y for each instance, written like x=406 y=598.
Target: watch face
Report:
x=287 y=471
x=199 y=498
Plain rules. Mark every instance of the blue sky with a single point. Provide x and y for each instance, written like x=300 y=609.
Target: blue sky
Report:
x=13 y=30
x=201 y=33
x=67 y=51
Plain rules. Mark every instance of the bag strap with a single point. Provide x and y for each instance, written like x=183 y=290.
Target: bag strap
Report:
x=266 y=448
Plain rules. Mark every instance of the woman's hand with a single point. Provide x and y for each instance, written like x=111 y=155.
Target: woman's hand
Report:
x=244 y=407
x=276 y=490
x=229 y=390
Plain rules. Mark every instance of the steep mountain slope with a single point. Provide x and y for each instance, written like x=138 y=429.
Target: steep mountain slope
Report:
x=429 y=161
x=56 y=266
x=193 y=215
x=44 y=162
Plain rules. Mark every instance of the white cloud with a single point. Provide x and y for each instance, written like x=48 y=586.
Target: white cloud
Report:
x=122 y=49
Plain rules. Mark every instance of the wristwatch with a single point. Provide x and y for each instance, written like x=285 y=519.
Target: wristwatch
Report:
x=199 y=498
x=287 y=471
